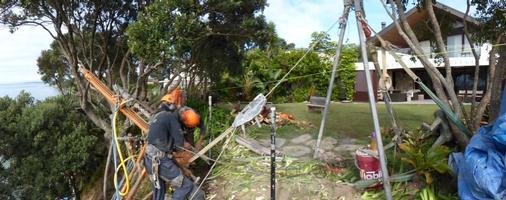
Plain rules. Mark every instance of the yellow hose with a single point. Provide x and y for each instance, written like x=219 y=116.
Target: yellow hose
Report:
x=122 y=165
x=122 y=161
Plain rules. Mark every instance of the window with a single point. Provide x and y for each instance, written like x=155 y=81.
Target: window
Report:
x=454 y=44
x=426 y=48
x=466 y=48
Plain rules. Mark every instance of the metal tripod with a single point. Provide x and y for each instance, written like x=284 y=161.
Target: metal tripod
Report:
x=357 y=4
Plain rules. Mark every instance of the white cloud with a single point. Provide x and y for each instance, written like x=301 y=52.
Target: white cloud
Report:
x=296 y=19
x=19 y=52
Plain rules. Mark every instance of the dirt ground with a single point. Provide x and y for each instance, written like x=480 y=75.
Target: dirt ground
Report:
x=286 y=189
x=246 y=176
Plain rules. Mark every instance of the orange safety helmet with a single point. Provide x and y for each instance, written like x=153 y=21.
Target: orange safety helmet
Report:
x=189 y=117
x=174 y=97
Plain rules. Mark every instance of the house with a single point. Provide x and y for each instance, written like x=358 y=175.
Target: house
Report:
x=461 y=58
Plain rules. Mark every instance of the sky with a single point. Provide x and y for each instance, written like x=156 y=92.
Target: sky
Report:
x=19 y=53
x=295 y=20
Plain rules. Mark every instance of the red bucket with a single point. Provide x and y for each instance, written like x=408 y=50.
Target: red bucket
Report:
x=368 y=165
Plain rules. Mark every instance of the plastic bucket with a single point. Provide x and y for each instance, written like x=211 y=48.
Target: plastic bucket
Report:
x=368 y=165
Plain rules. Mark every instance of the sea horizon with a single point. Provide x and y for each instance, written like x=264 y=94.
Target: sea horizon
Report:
x=37 y=89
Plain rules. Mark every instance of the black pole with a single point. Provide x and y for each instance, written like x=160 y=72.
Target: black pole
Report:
x=273 y=153
x=209 y=123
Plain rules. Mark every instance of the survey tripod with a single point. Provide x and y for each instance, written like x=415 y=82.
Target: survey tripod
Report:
x=363 y=31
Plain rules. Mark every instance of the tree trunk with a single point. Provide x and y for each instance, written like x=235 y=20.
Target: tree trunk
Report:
x=440 y=42
x=472 y=124
x=497 y=84
x=450 y=89
x=440 y=85
x=386 y=96
x=409 y=36
x=122 y=74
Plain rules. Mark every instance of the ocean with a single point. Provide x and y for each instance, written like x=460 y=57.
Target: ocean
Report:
x=38 y=90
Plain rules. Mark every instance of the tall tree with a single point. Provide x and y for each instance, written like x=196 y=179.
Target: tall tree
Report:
x=202 y=38
x=442 y=83
x=54 y=69
x=87 y=32
x=492 y=30
x=320 y=41
x=53 y=153
x=492 y=15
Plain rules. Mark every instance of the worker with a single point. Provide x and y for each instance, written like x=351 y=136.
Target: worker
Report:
x=176 y=100
x=189 y=127
x=165 y=138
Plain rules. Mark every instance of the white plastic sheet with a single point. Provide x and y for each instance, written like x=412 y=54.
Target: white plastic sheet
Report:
x=250 y=111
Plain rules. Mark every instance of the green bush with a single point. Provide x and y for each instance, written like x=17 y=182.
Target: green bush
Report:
x=346 y=70
x=263 y=69
x=221 y=118
x=52 y=147
x=300 y=94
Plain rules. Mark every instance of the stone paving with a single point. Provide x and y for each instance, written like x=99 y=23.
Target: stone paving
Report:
x=302 y=147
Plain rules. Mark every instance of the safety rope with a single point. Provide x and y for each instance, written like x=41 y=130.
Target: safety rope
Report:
x=451 y=115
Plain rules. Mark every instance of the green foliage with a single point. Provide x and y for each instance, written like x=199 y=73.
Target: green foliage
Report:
x=263 y=69
x=426 y=162
x=221 y=118
x=244 y=174
x=53 y=69
x=492 y=16
x=301 y=94
x=418 y=152
x=346 y=69
x=322 y=43
x=399 y=191
x=405 y=191
x=430 y=193
x=211 y=36
x=427 y=193
x=50 y=146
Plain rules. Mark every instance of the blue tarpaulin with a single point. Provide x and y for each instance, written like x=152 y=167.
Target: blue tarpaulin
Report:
x=481 y=169
x=503 y=103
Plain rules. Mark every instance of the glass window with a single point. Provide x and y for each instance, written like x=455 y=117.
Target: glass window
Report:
x=454 y=43
x=466 y=48
x=426 y=48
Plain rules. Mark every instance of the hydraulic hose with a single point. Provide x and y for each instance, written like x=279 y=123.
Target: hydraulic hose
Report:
x=123 y=166
x=122 y=161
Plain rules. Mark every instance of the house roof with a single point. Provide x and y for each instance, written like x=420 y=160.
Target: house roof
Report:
x=415 y=15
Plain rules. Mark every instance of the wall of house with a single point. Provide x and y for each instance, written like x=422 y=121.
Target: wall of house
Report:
x=461 y=57
x=402 y=81
x=361 y=93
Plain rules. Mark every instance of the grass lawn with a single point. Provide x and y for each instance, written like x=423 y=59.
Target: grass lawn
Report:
x=352 y=120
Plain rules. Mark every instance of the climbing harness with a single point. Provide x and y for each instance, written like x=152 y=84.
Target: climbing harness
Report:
x=154 y=154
